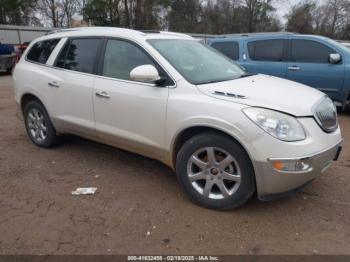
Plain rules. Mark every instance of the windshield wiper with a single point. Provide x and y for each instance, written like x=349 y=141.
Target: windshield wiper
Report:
x=210 y=82
x=246 y=75
x=223 y=80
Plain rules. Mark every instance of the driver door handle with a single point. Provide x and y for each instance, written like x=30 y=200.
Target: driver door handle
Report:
x=294 y=68
x=102 y=94
x=53 y=84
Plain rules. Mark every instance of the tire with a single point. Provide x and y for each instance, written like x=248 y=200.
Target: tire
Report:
x=36 y=118
x=197 y=178
x=9 y=70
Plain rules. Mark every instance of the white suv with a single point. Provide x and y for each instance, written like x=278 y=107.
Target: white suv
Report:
x=167 y=96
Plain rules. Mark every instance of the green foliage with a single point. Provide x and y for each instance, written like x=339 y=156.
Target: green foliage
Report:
x=328 y=17
x=97 y=11
x=185 y=16
x=222 y=17
x=16 y=11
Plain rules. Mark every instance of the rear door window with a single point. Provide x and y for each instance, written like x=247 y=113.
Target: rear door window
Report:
x=79 y=55
x=41 y=51
x=229 y=49
x=267 y=50
x=308 y=51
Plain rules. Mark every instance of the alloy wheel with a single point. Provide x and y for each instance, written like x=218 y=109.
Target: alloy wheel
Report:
x=214 y=173
x=37 y=125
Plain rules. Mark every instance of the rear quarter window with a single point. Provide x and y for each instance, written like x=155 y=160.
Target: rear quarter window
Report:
x=229 y=49
x=41 y=51
x=266 y=50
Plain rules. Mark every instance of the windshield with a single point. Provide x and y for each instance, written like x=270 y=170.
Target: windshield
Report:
x=196 y=62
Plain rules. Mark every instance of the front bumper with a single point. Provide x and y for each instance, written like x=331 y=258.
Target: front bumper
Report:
x=274 y=183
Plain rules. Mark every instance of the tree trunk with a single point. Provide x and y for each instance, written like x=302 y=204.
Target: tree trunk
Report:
x=335 y=17
x=138 y=14
x=127 y=14
x=53 y=13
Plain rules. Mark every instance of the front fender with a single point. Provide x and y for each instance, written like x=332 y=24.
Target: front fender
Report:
x=235 y=131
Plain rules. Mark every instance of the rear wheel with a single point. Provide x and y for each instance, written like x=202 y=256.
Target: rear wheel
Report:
x=215 y=171
x=38 y=125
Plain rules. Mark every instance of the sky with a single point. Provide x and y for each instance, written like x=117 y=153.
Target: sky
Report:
x=283 y=6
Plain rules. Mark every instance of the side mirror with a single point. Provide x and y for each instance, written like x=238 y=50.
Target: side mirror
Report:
x=334 y=58
x=145 y=73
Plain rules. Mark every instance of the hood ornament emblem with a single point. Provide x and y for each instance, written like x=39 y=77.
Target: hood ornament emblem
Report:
x=229 y=95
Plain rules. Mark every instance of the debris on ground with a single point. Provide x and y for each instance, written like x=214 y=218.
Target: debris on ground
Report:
x=84 y=191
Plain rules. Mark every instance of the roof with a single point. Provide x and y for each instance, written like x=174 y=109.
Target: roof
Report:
x=267 y=35
x=115 y=31
x=259 y=34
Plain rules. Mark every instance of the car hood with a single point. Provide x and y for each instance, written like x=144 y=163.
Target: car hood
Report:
x=268 y=92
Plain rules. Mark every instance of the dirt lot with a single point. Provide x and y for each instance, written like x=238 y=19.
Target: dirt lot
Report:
x=139 y=208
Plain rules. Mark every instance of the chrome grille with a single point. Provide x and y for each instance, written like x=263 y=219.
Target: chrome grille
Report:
x=325 y=114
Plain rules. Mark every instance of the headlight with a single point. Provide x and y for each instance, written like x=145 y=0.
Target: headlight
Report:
x=279 y=125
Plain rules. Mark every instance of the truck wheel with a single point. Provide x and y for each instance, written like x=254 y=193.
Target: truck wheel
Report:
x=38 y=125
x=215 y=171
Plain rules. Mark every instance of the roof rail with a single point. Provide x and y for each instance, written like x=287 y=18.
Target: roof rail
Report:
x=258 y=33
x=175 y=34
x=150 y=31
x=59 y=31
x=164 y=33
x=88 y=29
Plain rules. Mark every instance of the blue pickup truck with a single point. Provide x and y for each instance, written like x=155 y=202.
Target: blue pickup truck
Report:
x=313 y=60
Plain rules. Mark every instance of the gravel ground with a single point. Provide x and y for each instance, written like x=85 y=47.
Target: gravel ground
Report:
x=139 y=208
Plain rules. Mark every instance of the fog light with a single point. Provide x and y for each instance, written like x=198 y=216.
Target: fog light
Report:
x=291 y=165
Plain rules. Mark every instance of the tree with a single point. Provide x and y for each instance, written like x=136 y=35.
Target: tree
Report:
x=49 y=10
x=257 y=13
x=58 y=12
x=103 y=12
x=69 y=8
x=185 y=16
x=329 y=17
x=332 y=18
x=17 y=12
x=127 y=14
x=300 y=18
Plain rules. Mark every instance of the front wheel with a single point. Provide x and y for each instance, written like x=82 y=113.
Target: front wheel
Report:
x=215 y=171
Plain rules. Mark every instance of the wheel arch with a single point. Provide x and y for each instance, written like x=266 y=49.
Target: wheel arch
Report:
x=28 y=97
x=189 y=132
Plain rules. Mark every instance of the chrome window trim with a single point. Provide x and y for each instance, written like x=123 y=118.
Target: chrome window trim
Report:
x=98 y=76
x=139 y=45
x=105 y=77
x=129 y=81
